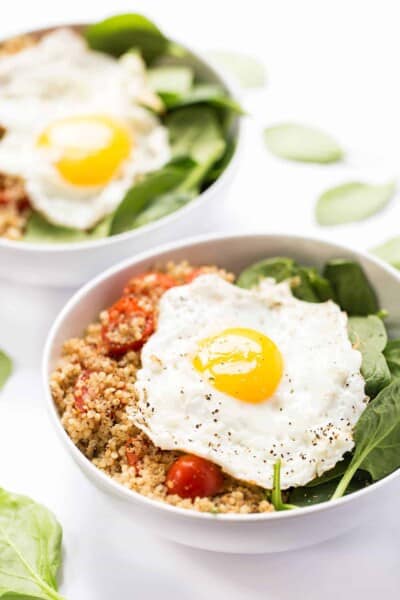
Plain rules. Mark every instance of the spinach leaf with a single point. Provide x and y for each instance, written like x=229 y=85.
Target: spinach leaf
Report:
x=389 y=251
x=5 y=368
x=39 y=230
x=30 y=549
x=300 y=143
x=163 y=206
x=352 y=290
x=202 y=93
x=276 y=494
x=170 y=79
x=377 y=438
x=353 y=201
x=116 y=35
x=321 y=288
x=333 y=474
x=309 y=495
x=153 y=185
x=392 y=355
x=368 y=335
x=195 y=132
x=307 y=284
x=247 y=70
x=279 y=268
x=219 y=167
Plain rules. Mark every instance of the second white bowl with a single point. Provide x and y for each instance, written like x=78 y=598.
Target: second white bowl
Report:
x=271 y=532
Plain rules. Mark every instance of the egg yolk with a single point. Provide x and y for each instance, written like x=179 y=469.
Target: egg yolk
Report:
x=88 y=150
x=242 y=363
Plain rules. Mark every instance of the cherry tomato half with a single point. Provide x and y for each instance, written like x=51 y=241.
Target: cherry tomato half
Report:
x=191 y=476
x=151 y=283
x=128 y=328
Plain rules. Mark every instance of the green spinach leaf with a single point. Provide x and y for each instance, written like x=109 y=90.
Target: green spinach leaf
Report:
x=170 y=79
x=377 y=438
x=247 y=70
x=30 y=549
x=39 y=230
x=116 y=35
x=351 y=288
x=392 y=355
x=309 y=495
x=279 y=268
x=389 y=251
x=195 y=132
x=307 y=284
x=303 y=144
x=368 y=335
x=353 y=201
x=153 y=185
x=202 y=93
x=6 y=367
x=163 y=206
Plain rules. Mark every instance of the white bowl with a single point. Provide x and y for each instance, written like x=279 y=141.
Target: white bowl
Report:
x=227 y=533
x=72 y=264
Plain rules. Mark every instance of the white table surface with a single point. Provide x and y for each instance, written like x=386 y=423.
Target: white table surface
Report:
x=334 y=64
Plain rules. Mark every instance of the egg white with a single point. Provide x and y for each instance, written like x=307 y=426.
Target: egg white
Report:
x=308 y=421
x=60 y=77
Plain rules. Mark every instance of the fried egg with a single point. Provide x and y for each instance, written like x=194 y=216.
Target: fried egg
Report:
x=246 y=377
x=77 y=129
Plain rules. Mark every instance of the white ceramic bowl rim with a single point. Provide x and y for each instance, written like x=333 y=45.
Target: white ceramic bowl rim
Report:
x=230 y=86
x=128 y=494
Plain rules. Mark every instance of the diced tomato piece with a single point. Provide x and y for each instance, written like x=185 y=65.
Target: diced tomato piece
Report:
x=149 y=283
x=192 y=476
x=129 y=326
x=82 y=393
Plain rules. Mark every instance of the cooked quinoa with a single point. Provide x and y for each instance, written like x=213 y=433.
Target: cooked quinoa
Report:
x=93 y=386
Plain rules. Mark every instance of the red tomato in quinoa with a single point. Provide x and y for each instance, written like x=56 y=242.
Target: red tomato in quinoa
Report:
x=82 y=393
x=192 y=476
x=127 y=312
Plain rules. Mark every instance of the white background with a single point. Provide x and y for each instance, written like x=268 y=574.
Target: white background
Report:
x=333 y=64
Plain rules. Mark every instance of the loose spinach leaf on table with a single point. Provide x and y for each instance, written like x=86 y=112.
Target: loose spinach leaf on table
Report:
x=247 y=70
x=153 y=186
x=351 y=288
x=368 y=335
x=353 y=201
x=307 y=283
x=116 y=35
x=303 y=144
x=392 y=355
x=389 y=251
x=377 y=438
x=5 y=368
x=30 y=549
